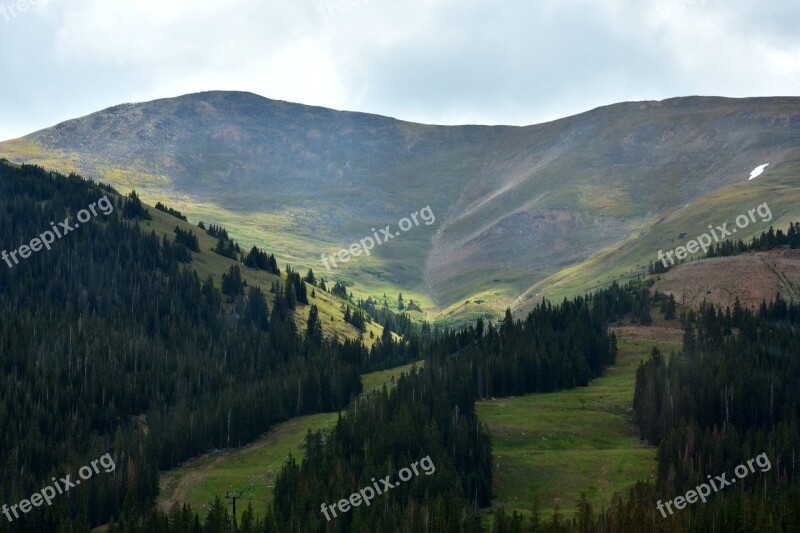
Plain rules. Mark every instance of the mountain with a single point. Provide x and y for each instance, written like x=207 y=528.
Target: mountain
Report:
x=752 y=278
x=520 y=212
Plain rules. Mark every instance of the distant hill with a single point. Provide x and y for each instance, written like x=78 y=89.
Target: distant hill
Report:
x=521 y=212
x=752 y=278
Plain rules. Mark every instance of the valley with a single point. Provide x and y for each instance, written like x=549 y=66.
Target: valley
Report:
x=549 y=447
x=523 y=213
x=252 y=469
x=553 y=447
x=532 y=383
x=418 y=266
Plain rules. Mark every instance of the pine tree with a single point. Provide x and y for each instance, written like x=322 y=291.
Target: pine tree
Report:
x=314 y=326
x=232 y=284
x=670 y=308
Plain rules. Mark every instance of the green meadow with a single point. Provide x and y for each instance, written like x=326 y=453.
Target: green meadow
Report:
x=252 y=469
x=552 y=447
x=549 y=447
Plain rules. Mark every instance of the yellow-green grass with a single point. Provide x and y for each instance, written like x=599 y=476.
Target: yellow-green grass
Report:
x=376 y=380
x=555 y=446
x=254 y=467
x=29 y=151
x=490 y=304
x=629 y=258
x=208 y=263
x=251 y=469
x=284 y=232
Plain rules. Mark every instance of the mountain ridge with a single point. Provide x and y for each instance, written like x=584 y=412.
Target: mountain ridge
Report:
x=514 y=205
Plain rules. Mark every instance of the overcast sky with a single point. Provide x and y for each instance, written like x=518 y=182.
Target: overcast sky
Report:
x=433 y=61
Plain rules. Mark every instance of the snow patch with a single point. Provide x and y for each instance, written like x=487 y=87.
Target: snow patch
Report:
x=758 y=171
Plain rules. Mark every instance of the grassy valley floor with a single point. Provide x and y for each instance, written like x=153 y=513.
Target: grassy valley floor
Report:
x=547 y=446
x=555 y=446
x=252 y=469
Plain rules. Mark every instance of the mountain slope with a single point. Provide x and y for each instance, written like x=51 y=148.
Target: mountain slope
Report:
x=778 y=192
x=112 y=345
x=513 y=206
x=752 y=278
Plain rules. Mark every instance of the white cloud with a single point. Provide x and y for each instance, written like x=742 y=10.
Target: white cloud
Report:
x=436 y=61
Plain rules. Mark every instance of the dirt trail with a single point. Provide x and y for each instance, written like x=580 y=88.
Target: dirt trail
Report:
x=176 y=484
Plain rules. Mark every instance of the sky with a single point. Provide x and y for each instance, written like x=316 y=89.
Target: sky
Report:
x=512 y=62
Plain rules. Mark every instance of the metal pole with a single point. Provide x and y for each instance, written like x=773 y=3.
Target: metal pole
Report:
x=233 y=497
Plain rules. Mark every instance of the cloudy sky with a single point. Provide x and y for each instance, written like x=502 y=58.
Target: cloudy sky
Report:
x=434 y=61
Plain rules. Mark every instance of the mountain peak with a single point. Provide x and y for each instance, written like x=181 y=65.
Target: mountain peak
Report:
x=521 y=203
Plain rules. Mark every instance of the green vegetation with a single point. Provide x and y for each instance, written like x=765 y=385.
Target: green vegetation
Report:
x=554 y=446
x=630 y=258
x=138 y=356
x=376 y=380
x=726 y=401
x=252 y=469
x=570 y=205
x=207 y=353
x=207 y=263
x=430 y=412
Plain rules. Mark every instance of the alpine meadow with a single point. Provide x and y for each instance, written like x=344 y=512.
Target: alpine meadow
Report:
x=413 y=267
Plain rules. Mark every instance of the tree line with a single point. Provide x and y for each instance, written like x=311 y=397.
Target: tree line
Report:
x=431 y=411
x=109 y=344
x=768 y=240
x=729 y=395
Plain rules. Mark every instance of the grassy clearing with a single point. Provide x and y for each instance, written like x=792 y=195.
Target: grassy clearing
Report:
x=376 y=380
x=254 y=467
x=555 y=446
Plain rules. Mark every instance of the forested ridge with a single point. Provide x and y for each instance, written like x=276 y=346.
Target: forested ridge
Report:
x=431 y=412
x=108 y=344
x=730 y=395
x=768 y=240
x=111 y=343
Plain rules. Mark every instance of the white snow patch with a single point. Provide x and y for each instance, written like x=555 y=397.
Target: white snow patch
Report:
x=758 y=171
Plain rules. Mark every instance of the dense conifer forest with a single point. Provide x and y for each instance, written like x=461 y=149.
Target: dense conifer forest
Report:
x=727 y=397
x=111 y=343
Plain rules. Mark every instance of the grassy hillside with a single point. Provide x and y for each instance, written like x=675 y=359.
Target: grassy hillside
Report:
x=779 y=189
x=207 y=262
x=555 y=446
x=253 y=468
x=552 y=205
